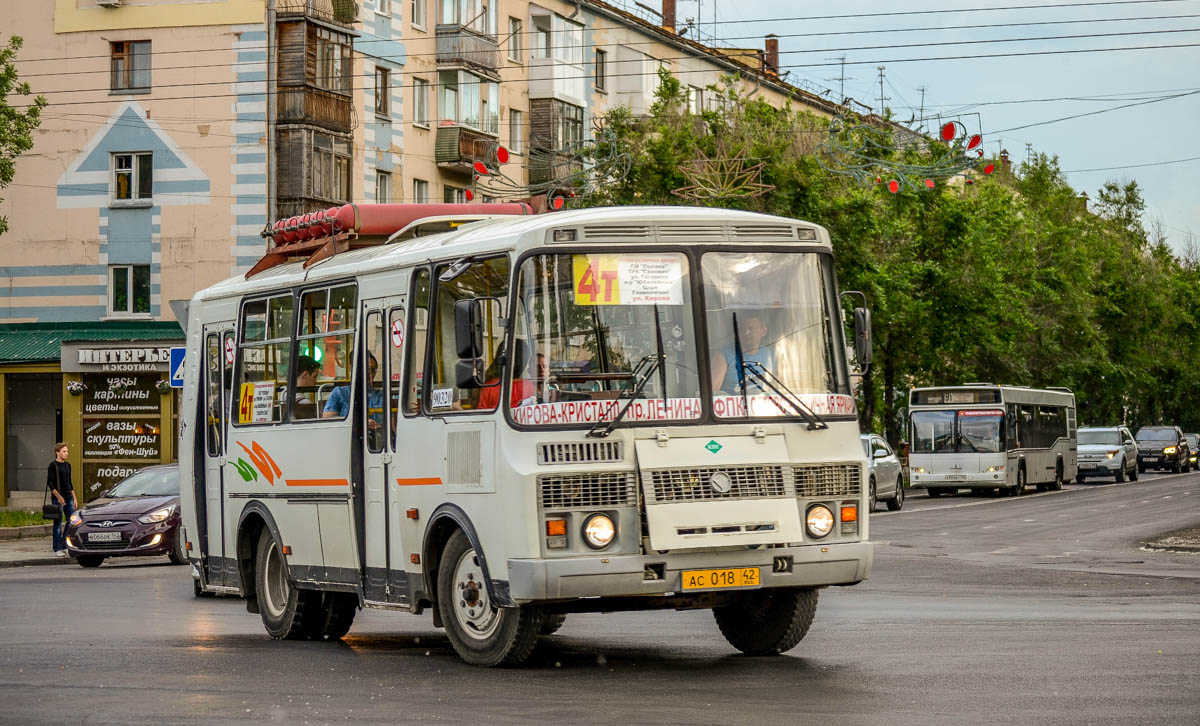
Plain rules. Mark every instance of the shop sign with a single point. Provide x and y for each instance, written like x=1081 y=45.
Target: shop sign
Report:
x=90 y=357
x=121 y=395
x=122 y=439
x=100 y=476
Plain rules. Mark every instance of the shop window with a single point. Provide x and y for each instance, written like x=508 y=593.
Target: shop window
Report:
x=130 y=66
x=266 y=347
x=129 y=290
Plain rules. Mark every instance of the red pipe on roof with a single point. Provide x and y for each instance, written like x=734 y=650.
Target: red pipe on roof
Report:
x=378 y=219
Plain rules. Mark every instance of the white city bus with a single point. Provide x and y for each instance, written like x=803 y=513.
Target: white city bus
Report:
x=988 y=437
x=517 y=418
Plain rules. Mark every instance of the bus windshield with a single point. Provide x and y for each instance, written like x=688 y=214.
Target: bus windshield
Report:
x=589 y=326
x=963 y=432
x=768 y=332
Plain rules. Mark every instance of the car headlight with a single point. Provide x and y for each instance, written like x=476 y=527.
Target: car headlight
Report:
x=76 y=520
x=1170 y=450
x=599 y=531
x=1111 y=454
x=819 y=521
x=158 y=515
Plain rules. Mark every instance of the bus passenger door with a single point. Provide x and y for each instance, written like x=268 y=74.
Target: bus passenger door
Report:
x=218 y=364
x=375 y=458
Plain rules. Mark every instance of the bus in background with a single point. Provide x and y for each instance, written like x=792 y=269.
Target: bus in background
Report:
x=988 y=438
x=511 y=419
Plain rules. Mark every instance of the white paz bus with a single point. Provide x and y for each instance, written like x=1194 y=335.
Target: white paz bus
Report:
x=988 y=437
x=507 y=419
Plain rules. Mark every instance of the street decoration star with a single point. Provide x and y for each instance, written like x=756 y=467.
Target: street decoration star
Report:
x=722 y=176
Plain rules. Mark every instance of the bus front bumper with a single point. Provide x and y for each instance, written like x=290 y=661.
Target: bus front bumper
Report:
x=630 y=575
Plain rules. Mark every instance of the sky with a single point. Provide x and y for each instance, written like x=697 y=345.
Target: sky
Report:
x=981 y=92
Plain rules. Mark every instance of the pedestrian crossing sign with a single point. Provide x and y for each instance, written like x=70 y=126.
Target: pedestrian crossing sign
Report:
x=177 y=356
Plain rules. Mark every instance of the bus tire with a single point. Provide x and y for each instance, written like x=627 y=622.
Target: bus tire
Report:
x=332 y=616
x=872 y=499
x=896 y=503
x=481 y=633
x=284 y=608
x=767 y=622
x=552 y=623
x=1019 y=488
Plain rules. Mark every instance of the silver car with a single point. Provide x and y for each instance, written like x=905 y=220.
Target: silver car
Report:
x=1107 y=451
x=887 y=483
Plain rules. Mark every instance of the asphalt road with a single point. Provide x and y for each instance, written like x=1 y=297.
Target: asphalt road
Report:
x=1037 y=610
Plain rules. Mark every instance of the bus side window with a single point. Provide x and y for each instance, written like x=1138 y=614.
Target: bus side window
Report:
x=214 y=356
x=396 y=329
x=486 y=280
x=325 y=343
x=373 y=383
x=418 y=329
x=266 y=341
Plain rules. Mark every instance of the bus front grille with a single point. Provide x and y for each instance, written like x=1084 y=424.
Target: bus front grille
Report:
x=696 y=484
x=580 y=452
x=828 y=480
x=580 y=491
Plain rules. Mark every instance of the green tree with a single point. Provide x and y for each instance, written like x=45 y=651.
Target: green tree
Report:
x=16 y=124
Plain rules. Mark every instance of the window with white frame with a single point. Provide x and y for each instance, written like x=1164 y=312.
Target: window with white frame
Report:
x=420 y=191
x=695 y=99
x=514 y=40
x=516 y=131
x=420 y=102
x=542 y=45
x=478 y=15
x=129 y=290
x=454 y=195
x=383 y=187
x=568 y=41
x=383 y=7
x=133 y=177
x=418 y=13
x=383 y=90
x=331 y=160
x=469 y=100
x=130 y=65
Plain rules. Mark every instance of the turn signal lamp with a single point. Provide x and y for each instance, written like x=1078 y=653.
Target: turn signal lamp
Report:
x=849 y=512
x=556 y=527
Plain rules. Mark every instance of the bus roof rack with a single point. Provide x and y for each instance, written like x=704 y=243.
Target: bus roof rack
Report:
x=318 y=235
x=1064 y=389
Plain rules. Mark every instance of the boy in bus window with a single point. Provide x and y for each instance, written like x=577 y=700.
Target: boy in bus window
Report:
x=751 y=331
x=307 y=369
x=338 y=404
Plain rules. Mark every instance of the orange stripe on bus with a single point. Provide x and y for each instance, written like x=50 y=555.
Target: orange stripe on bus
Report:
x=418 y=482
x=317 y=483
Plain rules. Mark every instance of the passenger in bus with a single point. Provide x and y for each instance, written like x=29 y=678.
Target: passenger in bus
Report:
x=752 y=328
x=524 y=390
x=338 y=404
x=304 y=405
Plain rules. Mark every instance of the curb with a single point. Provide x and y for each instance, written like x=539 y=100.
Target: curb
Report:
x=37 y=561
x=33 y=530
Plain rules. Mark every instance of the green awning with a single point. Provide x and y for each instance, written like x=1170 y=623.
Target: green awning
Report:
x=40 y=342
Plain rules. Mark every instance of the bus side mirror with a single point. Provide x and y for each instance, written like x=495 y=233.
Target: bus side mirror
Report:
x=468 y=373
x=468 y=328
x=862 y=336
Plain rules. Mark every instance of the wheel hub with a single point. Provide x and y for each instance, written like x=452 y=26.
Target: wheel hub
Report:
x=472 y=606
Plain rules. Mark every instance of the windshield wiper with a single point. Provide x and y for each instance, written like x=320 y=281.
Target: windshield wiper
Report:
x=767 y=381
x=640 y=375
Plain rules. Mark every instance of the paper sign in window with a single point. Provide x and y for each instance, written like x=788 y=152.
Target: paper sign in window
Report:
x=627 y=279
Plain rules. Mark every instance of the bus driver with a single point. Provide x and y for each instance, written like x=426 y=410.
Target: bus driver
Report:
x=751 y=331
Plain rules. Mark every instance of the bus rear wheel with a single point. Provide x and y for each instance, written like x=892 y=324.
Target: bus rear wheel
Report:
x=481 y=633
x=289 y=613
x=767 y=622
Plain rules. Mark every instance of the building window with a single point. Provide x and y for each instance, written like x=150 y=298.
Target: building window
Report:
x=129 y=290
x=570 y=125
x=514 y=40
x=331 y=168
x=541 y=37
x=601 y=70
x=516 y=131
x=383 y=187
x=383 y=91
x=333 y=61
x=695 y=99
x=454 y=195
x=131 y=65
x=383 y=7
x=568 y=41
x=420 y=191
x=418 y=13
x=469 y=100
x=420 y=102
x=133 y=177
x=478 y=15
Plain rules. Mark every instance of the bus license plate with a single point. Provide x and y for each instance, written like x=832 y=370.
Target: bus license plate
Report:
x=956 y=477
x=104 y=536
x=720 y=579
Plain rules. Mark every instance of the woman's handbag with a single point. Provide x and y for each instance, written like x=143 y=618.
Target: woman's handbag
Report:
x=50 y=510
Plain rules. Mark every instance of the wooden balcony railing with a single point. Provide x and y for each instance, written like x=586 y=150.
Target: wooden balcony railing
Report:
x=458 y=146
x=338 y=12
x=305 y=104
x=458 y=45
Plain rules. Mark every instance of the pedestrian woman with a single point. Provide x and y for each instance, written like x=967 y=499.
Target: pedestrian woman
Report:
x=58 y=481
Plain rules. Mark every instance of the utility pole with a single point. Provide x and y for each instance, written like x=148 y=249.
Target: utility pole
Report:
x=882 y=98
x=1028 y=152
x=921 y=117
x=841 y=78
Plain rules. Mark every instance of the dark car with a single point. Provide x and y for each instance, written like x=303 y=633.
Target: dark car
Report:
x=1163 y=447
x=137 y=518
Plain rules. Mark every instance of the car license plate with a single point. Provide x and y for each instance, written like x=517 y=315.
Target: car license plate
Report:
x=104 y=536
x=1151 y=458
x=720 y=579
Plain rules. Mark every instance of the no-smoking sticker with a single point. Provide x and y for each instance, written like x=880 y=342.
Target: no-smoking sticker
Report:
x=229 y=351
x=397 y=333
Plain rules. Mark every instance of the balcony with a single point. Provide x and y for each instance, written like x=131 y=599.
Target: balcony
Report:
x=459 y=46
x=459 y=147
x=316 y=106
x=336 y=12
x=550 y=78
x=546 y=166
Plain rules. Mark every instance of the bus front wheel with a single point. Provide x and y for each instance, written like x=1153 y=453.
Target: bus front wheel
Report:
x=767 y=622
x=481 y=633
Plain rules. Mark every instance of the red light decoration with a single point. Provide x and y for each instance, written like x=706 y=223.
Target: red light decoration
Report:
x=501 y=154
x=893 y=186
x=975 y=141
x=878 y=180
x=989 y=168
x=929 y=183
x=480 y=168
x=470 y=195
x=949 y=131
x=557 y=203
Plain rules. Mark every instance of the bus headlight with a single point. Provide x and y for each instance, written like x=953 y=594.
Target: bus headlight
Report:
x=918 y=470
x=819 y=521
x=993 y=469
x=599 y=531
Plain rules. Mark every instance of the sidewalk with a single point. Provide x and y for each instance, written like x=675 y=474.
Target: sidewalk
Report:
x=30 y=551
